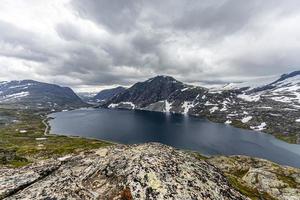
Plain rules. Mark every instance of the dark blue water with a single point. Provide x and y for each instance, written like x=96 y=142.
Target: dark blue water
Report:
x=179 y=131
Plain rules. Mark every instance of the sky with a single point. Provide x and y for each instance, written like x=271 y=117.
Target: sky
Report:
x=94 y=44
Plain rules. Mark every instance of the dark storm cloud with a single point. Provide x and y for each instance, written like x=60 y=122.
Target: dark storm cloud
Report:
x=105 y=42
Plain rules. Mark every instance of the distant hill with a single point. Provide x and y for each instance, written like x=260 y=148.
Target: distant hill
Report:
x=34 y=94
x=108 y=94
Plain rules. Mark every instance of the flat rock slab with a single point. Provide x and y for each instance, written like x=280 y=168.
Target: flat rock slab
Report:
x=148 y=171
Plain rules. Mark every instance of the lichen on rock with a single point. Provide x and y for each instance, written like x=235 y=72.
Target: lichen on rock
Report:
x=147 y=171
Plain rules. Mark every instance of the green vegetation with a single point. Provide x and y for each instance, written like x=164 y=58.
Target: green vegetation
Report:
x=23 y=141
x=239 y=124
x=239 y=173
x=291 y=138
x=287 y=179
x=252 y=193
x=199 y=156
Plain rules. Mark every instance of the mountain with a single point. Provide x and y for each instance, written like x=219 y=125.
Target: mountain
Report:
x=271 y=107
x=107 y=94
x=150 y=91
x=154 y=93
x=286 y=89
x=29 y=93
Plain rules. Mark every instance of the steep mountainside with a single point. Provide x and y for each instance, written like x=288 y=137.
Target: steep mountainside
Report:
x=29 y=93
x=272 y=108
x=150 y=91
x=107 y=94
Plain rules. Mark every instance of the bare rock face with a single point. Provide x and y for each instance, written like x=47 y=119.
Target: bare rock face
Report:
x=264 y=177
x=148 y=171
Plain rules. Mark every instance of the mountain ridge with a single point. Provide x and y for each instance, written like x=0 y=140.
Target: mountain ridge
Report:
x=30 y=93
x=108 y=93
x=272 y=109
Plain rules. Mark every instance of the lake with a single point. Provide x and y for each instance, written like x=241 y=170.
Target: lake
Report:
x=185 y=132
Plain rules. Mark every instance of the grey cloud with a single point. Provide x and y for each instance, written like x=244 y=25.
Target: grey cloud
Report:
x=20 y=44
x=193 y=40
x=267 y=64
x=117 y=15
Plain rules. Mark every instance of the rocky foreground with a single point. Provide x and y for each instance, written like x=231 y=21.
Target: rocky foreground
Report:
x=147 y=171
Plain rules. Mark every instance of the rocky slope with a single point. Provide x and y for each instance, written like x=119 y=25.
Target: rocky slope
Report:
x=148 y=171
x=33 y=94
x=259 y=178
x=272 y=108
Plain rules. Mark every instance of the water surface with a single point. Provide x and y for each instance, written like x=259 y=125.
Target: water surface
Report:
x=208 y=138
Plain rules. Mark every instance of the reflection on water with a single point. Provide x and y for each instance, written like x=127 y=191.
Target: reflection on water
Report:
x=180 y=131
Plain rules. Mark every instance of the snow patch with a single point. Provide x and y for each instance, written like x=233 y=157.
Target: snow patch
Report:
x=168 y=106
x=14 y=96
x=261 y=127
x=250 y=98
x=213 y=109
x=184 y=89
x=187 y=105
x=228 y=122
x=209 y=104
x=246 y=119
x=128 y=103
x=113 y=105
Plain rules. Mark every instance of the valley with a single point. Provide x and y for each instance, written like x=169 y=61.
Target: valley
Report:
x=32 y=160
x=23 y=139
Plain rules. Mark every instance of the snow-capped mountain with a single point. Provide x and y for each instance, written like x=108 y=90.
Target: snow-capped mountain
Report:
x=29 y=93
x=285 y=89
x=270 y=107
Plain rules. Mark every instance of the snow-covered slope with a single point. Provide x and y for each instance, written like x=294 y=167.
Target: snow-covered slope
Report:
x=285 y=89
x=29 y=93
x=251 y=84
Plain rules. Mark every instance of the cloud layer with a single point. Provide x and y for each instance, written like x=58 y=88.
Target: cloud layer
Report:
x=96 y=43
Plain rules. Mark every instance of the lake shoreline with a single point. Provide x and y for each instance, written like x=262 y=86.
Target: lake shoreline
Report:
x=214 y=120
x=129 y=140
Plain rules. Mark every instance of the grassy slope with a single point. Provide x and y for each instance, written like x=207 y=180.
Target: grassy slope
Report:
x=18 y=149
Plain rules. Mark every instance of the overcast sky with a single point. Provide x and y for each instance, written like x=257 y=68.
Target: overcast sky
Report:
x=91 y=44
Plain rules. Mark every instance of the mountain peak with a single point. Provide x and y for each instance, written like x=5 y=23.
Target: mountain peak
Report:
x=162 y=78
